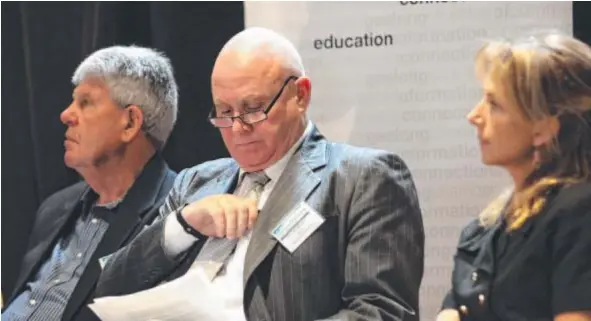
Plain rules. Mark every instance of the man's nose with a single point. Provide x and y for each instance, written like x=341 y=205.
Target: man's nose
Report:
x=239 y=126
x=68 y=117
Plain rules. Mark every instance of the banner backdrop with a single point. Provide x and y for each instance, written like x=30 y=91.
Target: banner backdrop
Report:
x=399 y=76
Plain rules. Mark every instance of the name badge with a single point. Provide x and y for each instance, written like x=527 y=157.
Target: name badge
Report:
x=295 y=227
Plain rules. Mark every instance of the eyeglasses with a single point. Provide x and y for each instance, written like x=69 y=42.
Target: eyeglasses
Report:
x=250 y=117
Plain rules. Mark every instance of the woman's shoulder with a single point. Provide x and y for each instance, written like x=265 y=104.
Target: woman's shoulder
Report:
x=475 y=234
x=573 y=198
x=568 y=201
x=472 y=229
x=577 y=192
x=569 y=209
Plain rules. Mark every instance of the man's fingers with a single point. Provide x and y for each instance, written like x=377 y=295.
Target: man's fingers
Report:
x=231 y=224
x=253 y=213
x=219 y=221
x=242 y=220
x=230 y=213
x=232 y=216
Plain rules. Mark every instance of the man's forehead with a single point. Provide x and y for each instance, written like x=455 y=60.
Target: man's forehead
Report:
x=238 y=64
x=90 y=88
x=239 y=77
x=90 y=84
x=233 y=98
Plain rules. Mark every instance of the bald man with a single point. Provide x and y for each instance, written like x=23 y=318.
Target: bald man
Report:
x=292 y=227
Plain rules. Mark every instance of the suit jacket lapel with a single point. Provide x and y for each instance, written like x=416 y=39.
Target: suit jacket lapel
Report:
x=139 y=200
x=123 y=221
x=296 y=183
x=224 y=183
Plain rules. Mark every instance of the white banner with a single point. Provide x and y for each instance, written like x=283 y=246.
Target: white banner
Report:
x=399 y=76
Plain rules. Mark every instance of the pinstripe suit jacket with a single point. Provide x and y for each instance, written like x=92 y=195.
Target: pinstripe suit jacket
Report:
x=365 y=262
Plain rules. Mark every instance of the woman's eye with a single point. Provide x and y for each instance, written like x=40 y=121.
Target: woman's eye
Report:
x=493 y=105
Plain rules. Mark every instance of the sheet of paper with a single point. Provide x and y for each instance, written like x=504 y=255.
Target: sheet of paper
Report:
x=186 y=298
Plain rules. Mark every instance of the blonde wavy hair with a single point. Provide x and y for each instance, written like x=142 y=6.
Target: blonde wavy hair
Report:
x=548 y=76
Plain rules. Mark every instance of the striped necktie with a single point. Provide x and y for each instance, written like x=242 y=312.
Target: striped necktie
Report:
x=216 y=251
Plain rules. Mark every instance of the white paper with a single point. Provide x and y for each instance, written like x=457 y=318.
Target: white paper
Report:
x=189 y=297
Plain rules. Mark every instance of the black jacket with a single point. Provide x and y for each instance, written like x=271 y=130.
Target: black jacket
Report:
x=534 y=273
x=58 y=213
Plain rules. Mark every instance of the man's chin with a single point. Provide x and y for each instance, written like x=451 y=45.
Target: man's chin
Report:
x=251 y=164
x=70 y=164
x=71 y=161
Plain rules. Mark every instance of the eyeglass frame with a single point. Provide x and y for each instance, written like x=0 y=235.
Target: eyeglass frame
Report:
x=265 y=111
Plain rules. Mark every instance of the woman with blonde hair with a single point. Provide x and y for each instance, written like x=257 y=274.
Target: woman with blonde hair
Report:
x=528 y=255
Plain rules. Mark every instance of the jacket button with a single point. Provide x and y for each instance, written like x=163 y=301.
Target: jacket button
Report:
x=481 y=298
x=474 y=276
x=464 y=309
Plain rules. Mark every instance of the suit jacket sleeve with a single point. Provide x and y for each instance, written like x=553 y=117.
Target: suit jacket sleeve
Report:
x=142 y=263
x=384 y=257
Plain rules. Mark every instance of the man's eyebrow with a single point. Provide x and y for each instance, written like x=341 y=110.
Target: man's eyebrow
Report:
x=244 y=102
x=254 y=97
x=219 y=103
x=80 y=95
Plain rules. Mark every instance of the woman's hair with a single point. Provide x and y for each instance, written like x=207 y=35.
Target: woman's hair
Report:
x=544 y=77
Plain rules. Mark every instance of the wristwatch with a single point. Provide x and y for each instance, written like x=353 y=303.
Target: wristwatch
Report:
x=186 y=226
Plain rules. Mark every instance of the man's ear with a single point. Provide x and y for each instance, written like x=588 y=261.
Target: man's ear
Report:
x=135 y=121
x=545 y=131
x=303 y=93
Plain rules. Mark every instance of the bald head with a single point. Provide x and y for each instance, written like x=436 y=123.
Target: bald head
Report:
x=259 y=75
x=258 y=43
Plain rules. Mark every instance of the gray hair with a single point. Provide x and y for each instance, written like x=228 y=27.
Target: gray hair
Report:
x=137 y=76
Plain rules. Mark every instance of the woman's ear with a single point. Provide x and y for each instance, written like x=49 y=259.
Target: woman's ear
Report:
x=545 y=131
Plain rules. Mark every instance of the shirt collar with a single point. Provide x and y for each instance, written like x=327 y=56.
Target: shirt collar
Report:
x=89 y=199
x=274 y=171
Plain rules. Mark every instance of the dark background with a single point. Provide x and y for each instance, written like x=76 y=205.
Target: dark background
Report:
x=43 y=44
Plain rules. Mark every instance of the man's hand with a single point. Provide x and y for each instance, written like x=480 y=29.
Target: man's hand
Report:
x=222 y=215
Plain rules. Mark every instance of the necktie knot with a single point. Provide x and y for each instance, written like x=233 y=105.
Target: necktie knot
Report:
x=258 y=178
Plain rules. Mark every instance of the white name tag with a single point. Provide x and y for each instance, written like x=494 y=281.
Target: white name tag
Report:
x=295 y=227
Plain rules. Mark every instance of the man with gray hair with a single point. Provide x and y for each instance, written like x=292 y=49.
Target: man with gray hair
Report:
x=292 y=227
x=123 y=111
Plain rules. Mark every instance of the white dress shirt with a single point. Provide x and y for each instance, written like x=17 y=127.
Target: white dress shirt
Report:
x=227 y=286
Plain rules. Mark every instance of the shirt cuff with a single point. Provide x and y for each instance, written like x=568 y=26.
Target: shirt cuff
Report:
x=176 y=239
